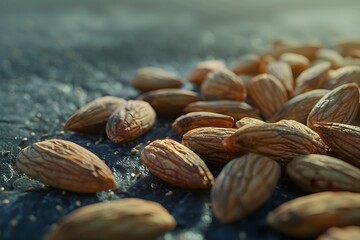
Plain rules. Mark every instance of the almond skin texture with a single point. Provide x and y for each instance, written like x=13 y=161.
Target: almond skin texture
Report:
x=281 y=141
x=151 y=78
x=282 y=72
x=317 y=173
x=235 y=109
x=223 y=85
x=193 y=120
x=169 y=102
x=268 y=94
x=92 y=117
x=243 y=186
x=207 y=143
x=299 y=107
x=310 y=215
x=347 y=74
x=65 y=165
x=343 y=139
x=346 y=233
x=247 y=64
x=176 y=164
x=202 y=69
x=341 y=105
x=297 y=63
x=130 y=121
x=132 y=219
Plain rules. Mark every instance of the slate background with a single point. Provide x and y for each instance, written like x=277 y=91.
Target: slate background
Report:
x=55 y=56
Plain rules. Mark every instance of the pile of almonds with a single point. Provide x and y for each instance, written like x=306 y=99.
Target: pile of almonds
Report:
x=294 y=107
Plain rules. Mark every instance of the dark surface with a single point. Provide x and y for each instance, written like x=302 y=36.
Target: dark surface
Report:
x=57 y=56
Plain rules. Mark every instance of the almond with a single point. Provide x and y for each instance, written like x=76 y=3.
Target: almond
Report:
x=331 y=56
x=65 y=165
x=347 y=45
x=344 y=75
x=243 y=186
x=346 y=233
x=131 y=219
x=202 y=69
x=282 y=72
x=307 y=50
x=176 y=164
x=247 y=120
x=297 y=62
x=247 y=64
x=130 y=121
x=92 y=117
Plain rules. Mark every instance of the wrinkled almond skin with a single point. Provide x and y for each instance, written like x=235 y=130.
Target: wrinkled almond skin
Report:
x=207 y=143
x=223 y=85
x=235 y=109
x=247 y=64
x=344 y=75
x=340 y=105
x=170 y=102
x=310 y=215
x=346 y=233
x=176 y=164
x=202 y=69
x=92 y=117
x=282 y=72
x=297 y=62
x=317 y=173
x=131 y=218
x=193 y=120
x=343 y=139
x=130 y=121
x=312 y=78
x=299 y=107
x=243 y=186
x=247 y=120
x=151 y=78
x=268 y=94
x=281 y=141
x=65 y=165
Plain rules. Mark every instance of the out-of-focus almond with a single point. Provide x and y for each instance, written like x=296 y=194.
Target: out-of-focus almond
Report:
x=307 y=50
x=299 y=107
x=346 y=233
x=152 y=78
x=331 y=56
x=193 y=120
x=176 y=164
x=131 y=219
x=202 y=69
x=65 y=165
x=268 y=94
x=347 y=74
x=339 y=105
x=247 y=120
x=347 y=45
x=264 y=62
x=92 y=117
x=317 y=173
x=282 y=72
x=352 y=62
x=298 y=63
x=223 y=85
x=312 y=78
x=130 y=121
x=310 y=215
x=343 y=139
x=247 y=64
x=235 y=109
x=207 y=142
x=169 y=101
x=243 y=186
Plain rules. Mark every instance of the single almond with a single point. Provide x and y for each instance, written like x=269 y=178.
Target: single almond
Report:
x=345 y=233
x=202 y=69
x=317 y=173
x=298 y=63
x=169 y=101
x=247 y=64
x=247 y=120
x=130 y=121
x=243 y=185
x=223 y=85
x=282 y=72
x=176 y=164
x=310 y=215
x=344 y=75
x=131 y=219
x=65 y=165
x=207 y=143
x=193 y=120
x=92 y=117
x=331 y=56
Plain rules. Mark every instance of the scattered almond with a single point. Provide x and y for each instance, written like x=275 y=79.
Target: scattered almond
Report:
x=202 y=69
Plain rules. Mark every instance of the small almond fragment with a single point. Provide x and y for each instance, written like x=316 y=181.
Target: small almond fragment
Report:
x=247 y=120
x=311 y=215
x=207 y=142
x=202 y=69
x=193 y=120
x=131 y=219
x=151 y=78
x=130 y=121
x=317 y=173
x=92 y=117
x=170 y=102
x=298 y=63
x=223 y=85
x=176 y=164
x=243 y=185
x=247 y=64
x=282 y=72
x=346 y=233
x=65 y=165
x=235 y=109
x=339 y=105
x=268 y=94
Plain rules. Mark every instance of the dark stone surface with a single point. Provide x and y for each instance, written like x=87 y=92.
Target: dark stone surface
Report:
x=55 y=56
